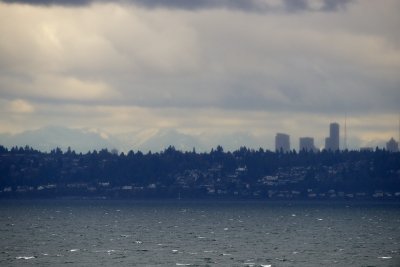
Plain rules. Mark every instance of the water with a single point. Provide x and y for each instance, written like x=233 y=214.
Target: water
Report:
x=179 y=233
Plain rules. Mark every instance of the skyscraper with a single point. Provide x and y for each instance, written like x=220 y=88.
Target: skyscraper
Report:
x=332 y=142
x=334 y=136
x=306 y=143
x=282 y=142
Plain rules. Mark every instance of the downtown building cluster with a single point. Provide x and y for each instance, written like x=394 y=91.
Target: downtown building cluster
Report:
x=332 y=142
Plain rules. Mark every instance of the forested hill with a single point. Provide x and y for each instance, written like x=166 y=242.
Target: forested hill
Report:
x=171 y=173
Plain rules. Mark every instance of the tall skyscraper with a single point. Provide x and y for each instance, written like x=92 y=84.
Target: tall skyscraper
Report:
x=306 y=143
x=334 y=136
x=332 y=142
x=282 y=142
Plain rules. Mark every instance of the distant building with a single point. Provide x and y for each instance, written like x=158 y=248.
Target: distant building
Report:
x=327 y=143
x=392 y=145
x=306 y=143
x=332 y=142
x=282 y=142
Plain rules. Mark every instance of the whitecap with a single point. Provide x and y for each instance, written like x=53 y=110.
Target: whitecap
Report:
x=319 y=219
x=385 y=257
x=138 y=242
x=25 y=257
x=226 y=229
x=183 y=264
x=266 y=265
x=174 y=251
x=74 y=250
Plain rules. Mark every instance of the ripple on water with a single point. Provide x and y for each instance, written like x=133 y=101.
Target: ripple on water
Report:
x=190 y=239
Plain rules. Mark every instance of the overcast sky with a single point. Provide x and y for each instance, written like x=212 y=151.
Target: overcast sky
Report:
x=202 y=66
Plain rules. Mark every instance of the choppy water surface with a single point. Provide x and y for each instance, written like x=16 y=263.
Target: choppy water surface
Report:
x=179 y=233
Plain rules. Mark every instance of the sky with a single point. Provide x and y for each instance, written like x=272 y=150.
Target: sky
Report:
x=203 y=67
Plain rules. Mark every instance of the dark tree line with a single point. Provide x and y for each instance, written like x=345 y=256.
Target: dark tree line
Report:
x=344 y=170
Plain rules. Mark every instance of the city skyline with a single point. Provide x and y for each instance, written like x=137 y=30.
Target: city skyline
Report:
x=242 y=69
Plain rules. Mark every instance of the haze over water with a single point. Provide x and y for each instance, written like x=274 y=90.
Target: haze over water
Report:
x=198 y=233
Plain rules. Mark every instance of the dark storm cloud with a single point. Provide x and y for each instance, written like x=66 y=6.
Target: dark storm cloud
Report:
x=245 y=5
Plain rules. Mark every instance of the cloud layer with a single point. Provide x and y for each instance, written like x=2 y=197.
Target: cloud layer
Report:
x=256 y=66
x=245 y=5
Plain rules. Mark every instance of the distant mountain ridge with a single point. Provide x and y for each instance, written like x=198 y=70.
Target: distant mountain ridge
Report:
x=156 y=140
x=82 y=140
x=51 y=137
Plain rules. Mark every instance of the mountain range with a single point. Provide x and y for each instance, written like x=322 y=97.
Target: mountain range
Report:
x=83 y=140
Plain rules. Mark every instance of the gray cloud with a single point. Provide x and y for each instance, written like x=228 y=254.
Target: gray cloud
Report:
x=50 y=2
x=323 y=5
x=332 y=5
x=245 y=5
x=215 y=70
x=296 y=5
